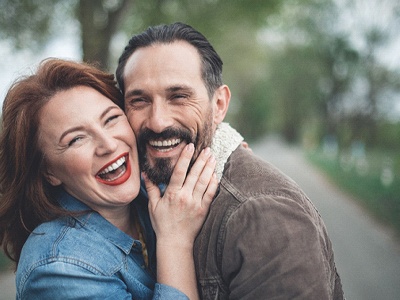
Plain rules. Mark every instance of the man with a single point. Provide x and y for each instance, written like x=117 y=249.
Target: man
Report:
x=263 y=238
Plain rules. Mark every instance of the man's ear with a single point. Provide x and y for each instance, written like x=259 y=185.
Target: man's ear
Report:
x=222 y=97
x=53 y=180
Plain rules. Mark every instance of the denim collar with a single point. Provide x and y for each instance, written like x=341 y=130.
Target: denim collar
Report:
x=93 y=220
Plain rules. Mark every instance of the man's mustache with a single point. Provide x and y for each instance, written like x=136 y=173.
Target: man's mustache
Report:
x=148 y=134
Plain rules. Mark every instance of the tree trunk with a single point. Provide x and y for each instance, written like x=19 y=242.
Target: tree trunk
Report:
x=98 y=25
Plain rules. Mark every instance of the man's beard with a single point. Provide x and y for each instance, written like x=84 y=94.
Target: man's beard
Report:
x=162 y=170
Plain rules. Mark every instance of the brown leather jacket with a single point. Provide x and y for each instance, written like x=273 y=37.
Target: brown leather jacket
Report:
x=263 y=238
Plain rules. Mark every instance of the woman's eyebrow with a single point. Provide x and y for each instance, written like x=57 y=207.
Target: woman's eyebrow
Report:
x=107 y=110
x=77 y=128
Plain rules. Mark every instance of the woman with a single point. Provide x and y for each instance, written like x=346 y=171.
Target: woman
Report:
x=69 y=172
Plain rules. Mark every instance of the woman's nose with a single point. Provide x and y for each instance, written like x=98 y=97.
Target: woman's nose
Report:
x=106 y=143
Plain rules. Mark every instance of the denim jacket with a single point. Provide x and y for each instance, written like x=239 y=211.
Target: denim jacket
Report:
x=86 y=257
x=263 y=238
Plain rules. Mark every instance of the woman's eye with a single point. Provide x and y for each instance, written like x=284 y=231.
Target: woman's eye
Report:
x=110 y=119
x=74 y=140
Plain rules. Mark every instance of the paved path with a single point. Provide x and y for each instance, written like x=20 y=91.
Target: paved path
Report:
x=366 y=254
x=367 y=257
x=7 y=286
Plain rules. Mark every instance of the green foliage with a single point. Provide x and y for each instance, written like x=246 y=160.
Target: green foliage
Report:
x=202 y=14
x=5 y=263
x=375 y=181
x=253 y=114
x=388 y=137
x=293 y=91
x=317 y=71
x=28 y=23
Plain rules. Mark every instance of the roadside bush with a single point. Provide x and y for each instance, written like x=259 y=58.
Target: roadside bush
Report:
x=4 y=262
x=373 y=178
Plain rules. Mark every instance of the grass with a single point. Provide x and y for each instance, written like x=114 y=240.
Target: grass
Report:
x=5 y=262
x=373 y=178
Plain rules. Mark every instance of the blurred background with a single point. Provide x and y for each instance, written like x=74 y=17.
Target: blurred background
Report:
x=321 y=76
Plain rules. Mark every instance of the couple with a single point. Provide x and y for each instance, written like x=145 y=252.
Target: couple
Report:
x=70 y=172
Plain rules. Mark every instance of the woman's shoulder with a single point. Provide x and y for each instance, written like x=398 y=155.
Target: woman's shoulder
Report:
x=60 y=260
x=63 y=241
x=40 y=241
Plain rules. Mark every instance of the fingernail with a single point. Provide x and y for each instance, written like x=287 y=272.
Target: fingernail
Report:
x=206 y=150
x=190 y=147
x=211 y=159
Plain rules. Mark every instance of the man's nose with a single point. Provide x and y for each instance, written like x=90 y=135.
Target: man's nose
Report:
x=106 y=144
x=159 y=118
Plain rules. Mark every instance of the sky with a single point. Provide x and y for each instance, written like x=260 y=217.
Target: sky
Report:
x=18 y=63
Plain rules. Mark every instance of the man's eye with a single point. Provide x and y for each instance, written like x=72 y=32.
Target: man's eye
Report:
x=137 y=102
x=179 y=96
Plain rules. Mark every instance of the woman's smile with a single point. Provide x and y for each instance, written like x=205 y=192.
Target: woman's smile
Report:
x=90 y=148
x=115 y=172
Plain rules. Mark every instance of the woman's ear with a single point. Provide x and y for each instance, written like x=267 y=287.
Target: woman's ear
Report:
x=222 y=97
x=53 y=180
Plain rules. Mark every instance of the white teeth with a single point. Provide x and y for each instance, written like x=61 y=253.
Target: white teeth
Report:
x=165 y=143
x=114 y=166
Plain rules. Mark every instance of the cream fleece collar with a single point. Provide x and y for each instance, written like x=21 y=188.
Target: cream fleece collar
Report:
x=225 y=141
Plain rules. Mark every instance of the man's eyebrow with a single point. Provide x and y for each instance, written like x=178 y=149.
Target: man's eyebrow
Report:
x=136 y=92
x=171 y=89
x=180 y=88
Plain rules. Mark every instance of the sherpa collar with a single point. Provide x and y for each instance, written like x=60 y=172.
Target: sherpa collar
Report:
x=225 y=141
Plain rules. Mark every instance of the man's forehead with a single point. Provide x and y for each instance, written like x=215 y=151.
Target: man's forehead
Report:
x=167 y=65
x=163 y=53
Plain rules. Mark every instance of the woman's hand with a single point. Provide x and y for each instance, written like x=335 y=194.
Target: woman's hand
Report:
x=178 y=215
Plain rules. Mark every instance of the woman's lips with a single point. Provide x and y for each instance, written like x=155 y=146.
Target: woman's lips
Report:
x=115 y=172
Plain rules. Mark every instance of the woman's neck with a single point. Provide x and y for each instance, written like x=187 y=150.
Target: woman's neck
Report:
x=122 y=218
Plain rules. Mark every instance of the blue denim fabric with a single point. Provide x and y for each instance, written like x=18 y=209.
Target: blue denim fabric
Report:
x=85 y=257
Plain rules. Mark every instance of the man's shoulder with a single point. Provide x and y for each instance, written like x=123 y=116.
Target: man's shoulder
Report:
x=249 y=173
x=250 y=183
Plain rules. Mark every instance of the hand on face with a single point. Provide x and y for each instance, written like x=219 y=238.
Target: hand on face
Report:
x=178 y=215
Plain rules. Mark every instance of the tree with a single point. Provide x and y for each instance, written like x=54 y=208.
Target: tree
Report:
x=30 y=23
x=100 y=19
x=232 y=26
x=349 y=82
x=27 y=23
